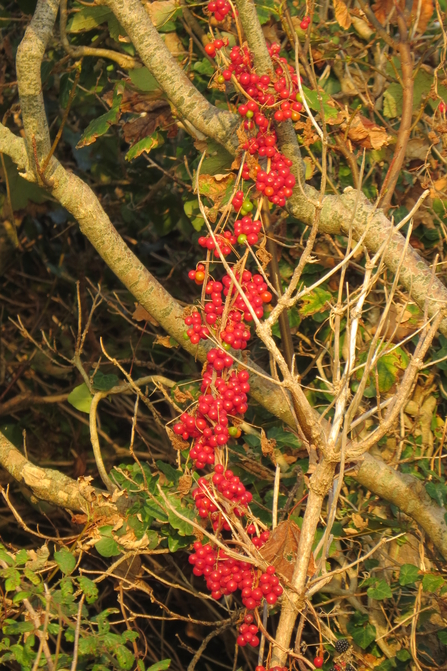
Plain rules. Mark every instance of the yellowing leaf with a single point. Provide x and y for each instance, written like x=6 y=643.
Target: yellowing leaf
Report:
x=342 y=14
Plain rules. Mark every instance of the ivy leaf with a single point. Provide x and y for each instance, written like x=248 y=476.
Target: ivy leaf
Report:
x=442 y=635
x=432 y=582
x=315 y=301
x=183 y=528
x=80 y=398
x=101 y=125
x=381 y=591
x=107 y=547
x=364 y=636
x=388 y=368
x=408 y=574
x=437 y=491
x=65 y=560
x=103 y=382
x=403 y=655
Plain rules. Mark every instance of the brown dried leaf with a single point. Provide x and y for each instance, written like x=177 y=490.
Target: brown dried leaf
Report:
x=182 y=396
x=177 y=442
x=422 y=12
x=184 y=485
x=281 y=549
x=147 y=123
x=217 y=188
x=166 y=341
x=140 y=314
x=263 y=255
x=359 y=522
x=367 y=134
x=342 y=14
x=382 y=9
x=267 y=445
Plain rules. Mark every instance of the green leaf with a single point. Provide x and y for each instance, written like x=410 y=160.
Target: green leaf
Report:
x=437 y=491
x=144 y=145
x=4 y=556
x=442 y=635
x=217 y=161
x=314 y=103
x=101 y=125
x=80 y=398
x=381 y=591
x=31 y=576
x=364 y=636
x=19 y=596
x=388 y=368
x=89 y=588
x=160 y=666
x=183 y=528
x=315 y=301
x=12 y=579
x=403 y=655
x=88 y=18
x=204 y=67
x=103 y=382
x=65 y=560
x=107 y=547
x=143 y=79
x=432 y=582
x=409 y=573
x=124 y=657
x=13 y=628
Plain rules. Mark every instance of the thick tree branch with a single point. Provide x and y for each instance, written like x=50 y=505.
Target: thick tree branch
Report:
x=45 y=483
x=188 y=101
x=82 y=203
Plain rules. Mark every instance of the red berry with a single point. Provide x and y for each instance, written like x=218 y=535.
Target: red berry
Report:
x=210 y=49
x=318 y=662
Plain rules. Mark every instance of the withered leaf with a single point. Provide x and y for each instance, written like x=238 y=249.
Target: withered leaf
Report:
x=177 y=442
x=367 y=134
x=217 y=188
x=282 y=547
x=148 y=122
x=267 y=445
x=342 y=14
x=184 y=484
x=140 y=314
x=182 y=396
x=421 y=11
x=166 y=341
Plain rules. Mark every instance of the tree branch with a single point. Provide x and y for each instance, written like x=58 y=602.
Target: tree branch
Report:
x=45 y=483
x=123 y=60
x=188 y=101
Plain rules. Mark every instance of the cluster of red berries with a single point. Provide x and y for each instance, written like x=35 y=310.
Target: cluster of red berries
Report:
x=220 y=8
x=197 y=330
x=212 y=47
x=209 y=426
x=224 y=241
x=255 y=291
x=248 y=632
x=247 y=230
x=198 y=275
x=231 y=488
x=272 y=668
x=225 y=575
x=305 y=23
x=258 y=541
